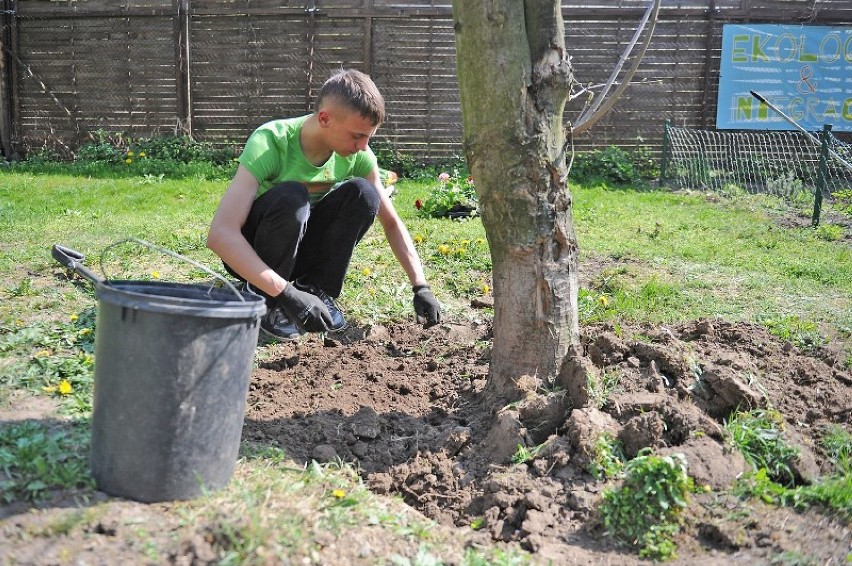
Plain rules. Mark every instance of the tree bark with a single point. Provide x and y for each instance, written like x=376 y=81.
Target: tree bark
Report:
x=514 y=78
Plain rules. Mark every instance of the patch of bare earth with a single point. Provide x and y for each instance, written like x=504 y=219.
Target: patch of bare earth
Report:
x=408 y=407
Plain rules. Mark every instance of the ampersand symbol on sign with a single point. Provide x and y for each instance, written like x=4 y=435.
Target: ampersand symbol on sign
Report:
x=805 y=76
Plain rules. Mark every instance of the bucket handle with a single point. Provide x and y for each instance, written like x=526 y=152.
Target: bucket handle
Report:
x=175 y=255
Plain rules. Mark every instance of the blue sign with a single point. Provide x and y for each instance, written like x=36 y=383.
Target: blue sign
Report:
x=806 y=71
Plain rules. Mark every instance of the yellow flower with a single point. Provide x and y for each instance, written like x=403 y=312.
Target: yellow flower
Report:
x=155 y=274
x=65 y=387
x=42 y=354
x=460 y=251
x=142 y=154
x=371 y=290
x=465 y=243
x=366 y=272
x=603 y=300
x=484 y=288
x=73 y=317
x=85 y=331
x=48 y=388
x=339 y=493
x=443 y=249
x=418 y=238
x=128 y=161
x=129 y=154
x=480 y=241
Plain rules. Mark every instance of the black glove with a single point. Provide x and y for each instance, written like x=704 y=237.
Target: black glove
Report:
x=426 y=306
x=306 y=310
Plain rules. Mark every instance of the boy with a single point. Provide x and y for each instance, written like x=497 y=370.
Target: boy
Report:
x=306 y=191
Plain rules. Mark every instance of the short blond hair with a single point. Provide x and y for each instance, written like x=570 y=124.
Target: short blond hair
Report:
x=355 y=90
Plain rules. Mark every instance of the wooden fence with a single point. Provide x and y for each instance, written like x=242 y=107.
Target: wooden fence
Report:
x=216 y=69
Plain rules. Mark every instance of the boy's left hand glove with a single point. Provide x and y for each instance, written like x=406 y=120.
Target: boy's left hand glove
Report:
x=426 y=306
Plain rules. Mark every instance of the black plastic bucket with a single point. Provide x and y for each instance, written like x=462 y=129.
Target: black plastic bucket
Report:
x=172 y=368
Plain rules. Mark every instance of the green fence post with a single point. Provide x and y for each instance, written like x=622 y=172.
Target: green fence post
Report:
x=664 y=163
x=822 y=174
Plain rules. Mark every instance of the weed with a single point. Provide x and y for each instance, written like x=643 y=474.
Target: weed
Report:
x=523 y=454
x=838 y=446
x=801 y=333
x=645 y=510
x=608 y=459
x=758 y=435
x=830 y=232
x=35 y=458
x=600 y=388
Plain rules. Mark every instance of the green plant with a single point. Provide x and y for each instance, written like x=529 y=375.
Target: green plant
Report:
x=35 y=458
x=802 y=333
x=523 y=454
x=453 y=197
x=830 y=232
x=837 y=443
x=389 y=157
x=615 y=165
x=645 y=510
x=601 y=387
x=758 y=435
x=843 y=201
x=608 y=459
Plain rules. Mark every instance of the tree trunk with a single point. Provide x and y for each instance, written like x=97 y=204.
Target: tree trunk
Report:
x=514 y=78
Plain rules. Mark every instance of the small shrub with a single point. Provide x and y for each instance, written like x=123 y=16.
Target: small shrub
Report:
x=389 y=157
x=645 y=510
x=615 y=165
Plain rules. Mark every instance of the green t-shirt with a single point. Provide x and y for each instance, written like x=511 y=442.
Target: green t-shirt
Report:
x=273 y=155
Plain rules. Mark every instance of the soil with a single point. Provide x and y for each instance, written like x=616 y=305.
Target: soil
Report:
x=410 y=407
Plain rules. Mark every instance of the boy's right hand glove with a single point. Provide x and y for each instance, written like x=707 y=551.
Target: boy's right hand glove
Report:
x=306 y=310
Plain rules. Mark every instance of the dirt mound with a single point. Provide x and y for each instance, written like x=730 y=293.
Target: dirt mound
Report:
x=407 y=406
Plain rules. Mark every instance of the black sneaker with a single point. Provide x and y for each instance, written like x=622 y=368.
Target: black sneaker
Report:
x=338 y=321
x=278 y=326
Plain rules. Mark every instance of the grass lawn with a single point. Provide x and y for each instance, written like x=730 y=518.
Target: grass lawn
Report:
x=646 y=256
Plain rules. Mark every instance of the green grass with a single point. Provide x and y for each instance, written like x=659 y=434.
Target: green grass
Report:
x=679 y=258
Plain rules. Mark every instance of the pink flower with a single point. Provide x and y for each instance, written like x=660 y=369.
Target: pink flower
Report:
x=444 y=177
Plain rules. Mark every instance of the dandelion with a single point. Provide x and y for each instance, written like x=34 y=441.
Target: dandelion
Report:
x=85 y=331
x=460 y=252
x=418 y=204
x=465 y=243
x=142 y=154
x=444 y=177
x=603 y=301
x=484 y=288
x=65 y=387
x=372 y=291
x=443 y=249
x=366 y=272
x=339 y=493
x=480 y=241
x=49 y=388
x=155 y=274
x=418 y=238
x=42 y=354
x=128 y=161
x=73 y=317
x=129 y=154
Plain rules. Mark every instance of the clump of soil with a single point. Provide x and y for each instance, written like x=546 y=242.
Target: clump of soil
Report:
x=408 y=406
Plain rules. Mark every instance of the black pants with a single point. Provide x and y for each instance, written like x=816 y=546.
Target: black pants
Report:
x=313 y=245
